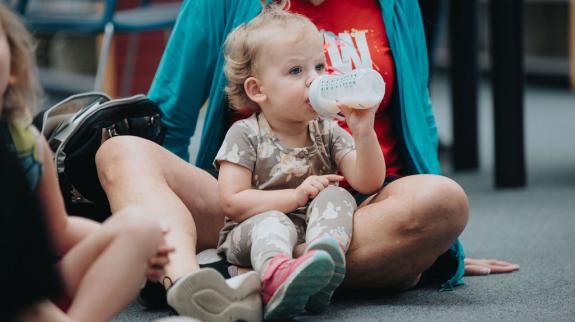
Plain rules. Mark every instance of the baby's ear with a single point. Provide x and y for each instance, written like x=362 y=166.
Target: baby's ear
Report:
x=253 y=90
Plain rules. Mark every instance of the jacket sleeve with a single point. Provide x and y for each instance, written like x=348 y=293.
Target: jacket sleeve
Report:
x=456 y=250
x=184 y=76
x=420 y=47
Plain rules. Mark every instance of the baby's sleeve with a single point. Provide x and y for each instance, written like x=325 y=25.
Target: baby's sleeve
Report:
x=239 y=146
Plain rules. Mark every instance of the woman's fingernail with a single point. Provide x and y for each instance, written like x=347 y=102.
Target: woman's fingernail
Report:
x=485 y=271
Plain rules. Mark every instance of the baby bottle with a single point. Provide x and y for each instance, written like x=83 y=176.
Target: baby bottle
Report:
x=361 y=89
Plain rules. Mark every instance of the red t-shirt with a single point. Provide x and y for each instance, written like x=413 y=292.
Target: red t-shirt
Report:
x=354 y=37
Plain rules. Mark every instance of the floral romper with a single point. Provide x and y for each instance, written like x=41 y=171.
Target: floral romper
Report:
x=250 y=143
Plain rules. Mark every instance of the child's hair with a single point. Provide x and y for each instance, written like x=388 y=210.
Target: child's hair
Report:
x=22 y=95
x=243 y=45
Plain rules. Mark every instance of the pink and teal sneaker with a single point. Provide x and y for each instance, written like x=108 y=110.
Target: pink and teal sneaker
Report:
x=319 y=301
x=288 y=283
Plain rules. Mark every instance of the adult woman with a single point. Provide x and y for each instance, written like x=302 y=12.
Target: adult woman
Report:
x=398 y=233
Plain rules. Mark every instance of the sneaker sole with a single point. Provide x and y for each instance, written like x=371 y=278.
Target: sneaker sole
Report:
x=320 y=301
x=205 y=295
x=290 y=298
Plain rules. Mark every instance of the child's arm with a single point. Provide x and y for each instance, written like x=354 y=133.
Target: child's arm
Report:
x=65 y=231
x=364 y=168
x=240 y=201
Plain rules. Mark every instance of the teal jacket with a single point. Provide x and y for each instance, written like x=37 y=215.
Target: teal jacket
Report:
x=191 y=71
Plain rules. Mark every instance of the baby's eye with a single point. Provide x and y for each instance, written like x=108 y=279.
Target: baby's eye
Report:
x=295 y=70
x=320 y=67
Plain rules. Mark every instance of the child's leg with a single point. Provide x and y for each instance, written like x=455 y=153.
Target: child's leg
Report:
x=44 y=311
x=260 y=238
x=267 y=241
x=331 y=213
x=330 y=218
x=105 y=271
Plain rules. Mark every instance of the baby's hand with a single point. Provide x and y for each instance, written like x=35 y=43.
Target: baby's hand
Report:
x=312 y=186
x=158 y=262
x=360 y=121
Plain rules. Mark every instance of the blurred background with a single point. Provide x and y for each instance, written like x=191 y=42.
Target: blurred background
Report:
x=74 y=42
x=484 y=56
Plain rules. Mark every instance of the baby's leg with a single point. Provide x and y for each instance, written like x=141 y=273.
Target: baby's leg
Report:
x=267 y=241
x=258 y=239
x=331 y=213
x=105 y=271
x=330 y=218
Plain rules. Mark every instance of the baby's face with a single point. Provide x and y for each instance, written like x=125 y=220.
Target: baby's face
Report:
x=286 y=66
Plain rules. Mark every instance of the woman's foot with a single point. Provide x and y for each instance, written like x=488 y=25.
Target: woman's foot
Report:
x=319 y=301
x=207 y=296
x=288 y=283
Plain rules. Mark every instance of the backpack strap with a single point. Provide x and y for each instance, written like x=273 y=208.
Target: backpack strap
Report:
x=144 y=126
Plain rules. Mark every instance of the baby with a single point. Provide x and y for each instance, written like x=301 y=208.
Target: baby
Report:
x=278 y=169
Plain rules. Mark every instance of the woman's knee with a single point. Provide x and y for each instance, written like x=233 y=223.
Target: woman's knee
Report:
x=438 y=206
x=114 y=149
x=451 y=202
x=122 y=154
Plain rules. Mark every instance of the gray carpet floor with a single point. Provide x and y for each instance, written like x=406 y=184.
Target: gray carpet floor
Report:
x=532 y=226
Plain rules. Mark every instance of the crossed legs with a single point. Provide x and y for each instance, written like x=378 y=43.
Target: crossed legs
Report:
x=401 y=231
x=104 y=272
x=397 y=234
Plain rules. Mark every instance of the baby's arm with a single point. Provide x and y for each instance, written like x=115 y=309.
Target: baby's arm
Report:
x=363 y=168
x=240 y=201
x=65 y=231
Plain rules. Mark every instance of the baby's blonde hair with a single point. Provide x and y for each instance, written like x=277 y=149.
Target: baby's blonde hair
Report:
x=243 y=45
x=23 y=93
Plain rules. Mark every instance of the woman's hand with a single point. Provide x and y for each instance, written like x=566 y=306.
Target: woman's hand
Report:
x=475 y=267
x=360 y=121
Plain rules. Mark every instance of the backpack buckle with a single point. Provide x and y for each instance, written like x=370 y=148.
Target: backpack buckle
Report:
x=112 y=130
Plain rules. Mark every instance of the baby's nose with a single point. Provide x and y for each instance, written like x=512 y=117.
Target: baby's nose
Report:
x=311 y=78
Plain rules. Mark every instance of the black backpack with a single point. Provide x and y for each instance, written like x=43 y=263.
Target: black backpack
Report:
x=77 y=126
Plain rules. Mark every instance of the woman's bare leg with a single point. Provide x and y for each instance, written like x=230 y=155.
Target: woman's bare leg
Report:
x=105 y=271
x=400 y=232
x=137 y=172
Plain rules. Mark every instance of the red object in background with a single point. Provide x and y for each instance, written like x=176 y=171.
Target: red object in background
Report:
x=149 y=49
